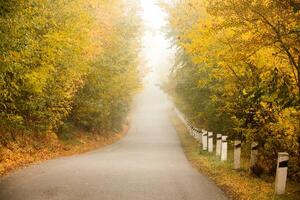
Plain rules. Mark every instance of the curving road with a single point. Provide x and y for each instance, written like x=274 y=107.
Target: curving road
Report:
x=148 y=164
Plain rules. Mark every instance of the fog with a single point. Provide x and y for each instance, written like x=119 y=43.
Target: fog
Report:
x=156 y=52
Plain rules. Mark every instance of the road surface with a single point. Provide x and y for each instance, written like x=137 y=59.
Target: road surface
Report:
x=148 y=164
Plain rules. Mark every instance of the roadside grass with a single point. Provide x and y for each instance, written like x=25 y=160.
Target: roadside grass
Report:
x=27 y=149
x=237 y=184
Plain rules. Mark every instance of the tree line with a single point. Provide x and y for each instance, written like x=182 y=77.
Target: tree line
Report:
x=66 y=63
x=237 y=72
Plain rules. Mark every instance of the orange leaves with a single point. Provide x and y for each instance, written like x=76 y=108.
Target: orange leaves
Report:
x=30 y=149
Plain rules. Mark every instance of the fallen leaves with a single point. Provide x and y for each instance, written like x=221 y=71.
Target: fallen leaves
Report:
x=24 y=151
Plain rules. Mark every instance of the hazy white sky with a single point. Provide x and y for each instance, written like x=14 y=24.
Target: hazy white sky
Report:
x=156 y=47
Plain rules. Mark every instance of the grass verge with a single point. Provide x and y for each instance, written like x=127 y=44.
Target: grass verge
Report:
x=237 y=184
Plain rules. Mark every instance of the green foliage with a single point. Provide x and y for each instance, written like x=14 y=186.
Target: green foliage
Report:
x=43 y=60
x=66 y=61
x=103 y=102
x=240 y=71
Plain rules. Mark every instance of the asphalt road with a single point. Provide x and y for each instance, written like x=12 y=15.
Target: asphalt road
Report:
x=148 y=164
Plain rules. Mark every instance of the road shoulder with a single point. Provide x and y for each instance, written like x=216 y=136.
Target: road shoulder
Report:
x=235 y=184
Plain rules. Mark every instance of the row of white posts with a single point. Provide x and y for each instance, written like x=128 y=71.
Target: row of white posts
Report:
x=206 y=139
x=208 y=143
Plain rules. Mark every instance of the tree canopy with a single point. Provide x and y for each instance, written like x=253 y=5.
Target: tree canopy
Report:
x=237 y=71
x=66 y=62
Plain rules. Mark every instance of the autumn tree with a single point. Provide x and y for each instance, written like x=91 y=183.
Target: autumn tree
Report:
x=243 y=71
x=103 y=102
x=61 y=57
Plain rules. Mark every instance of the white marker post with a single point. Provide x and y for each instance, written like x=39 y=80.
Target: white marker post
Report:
x=218 y=146
x=210 y=142
x=224 y=148
x=281 y=172
x=204 y=140
x=199 y=135
x=254 y=153
x=237 y=154
x=202 y=137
